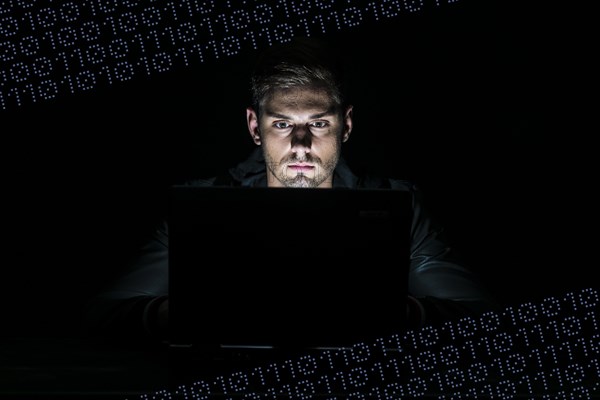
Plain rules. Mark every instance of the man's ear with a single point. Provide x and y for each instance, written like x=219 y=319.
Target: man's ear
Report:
x=347 y=124
x=252 y=121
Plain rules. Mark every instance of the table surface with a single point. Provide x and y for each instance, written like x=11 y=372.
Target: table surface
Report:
x=93 y=368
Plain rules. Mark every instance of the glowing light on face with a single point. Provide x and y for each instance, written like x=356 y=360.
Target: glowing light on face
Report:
x=301 y=133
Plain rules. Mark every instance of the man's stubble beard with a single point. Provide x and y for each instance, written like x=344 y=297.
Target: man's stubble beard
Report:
x=322 y=170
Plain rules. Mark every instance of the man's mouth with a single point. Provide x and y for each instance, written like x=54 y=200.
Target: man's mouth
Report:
x=301 y=167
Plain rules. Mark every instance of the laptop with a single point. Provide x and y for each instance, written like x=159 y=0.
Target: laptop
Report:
x=286 y=268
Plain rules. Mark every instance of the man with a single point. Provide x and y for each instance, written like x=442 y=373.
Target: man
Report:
x=299 y=119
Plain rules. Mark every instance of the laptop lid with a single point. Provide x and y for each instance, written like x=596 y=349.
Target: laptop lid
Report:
x=286 y=267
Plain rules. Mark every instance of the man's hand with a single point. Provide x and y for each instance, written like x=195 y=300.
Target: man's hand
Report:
x=162 y=317
x=415 y=313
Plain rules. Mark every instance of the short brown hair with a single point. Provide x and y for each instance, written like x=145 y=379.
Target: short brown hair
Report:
x=302 y=62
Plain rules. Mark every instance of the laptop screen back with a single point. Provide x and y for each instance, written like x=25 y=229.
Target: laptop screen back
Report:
x=283 y=267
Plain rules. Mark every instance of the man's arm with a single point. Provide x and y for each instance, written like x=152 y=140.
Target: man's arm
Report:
x=131 y=306
x=136 y=305
x=440 y=287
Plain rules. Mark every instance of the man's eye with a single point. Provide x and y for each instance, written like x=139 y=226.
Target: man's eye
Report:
x=281 y=125
x=319 y=124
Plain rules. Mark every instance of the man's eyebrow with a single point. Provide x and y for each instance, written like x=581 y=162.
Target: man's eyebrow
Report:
x=331 y=111
x=276 y=115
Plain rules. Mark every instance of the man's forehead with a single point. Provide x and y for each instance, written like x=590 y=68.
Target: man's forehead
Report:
x=299 y=99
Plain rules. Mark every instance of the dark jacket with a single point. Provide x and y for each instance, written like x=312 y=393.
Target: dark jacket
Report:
x=444 y=289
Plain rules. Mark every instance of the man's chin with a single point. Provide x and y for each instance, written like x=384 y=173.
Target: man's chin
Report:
x=300 y=181
x=303 y=184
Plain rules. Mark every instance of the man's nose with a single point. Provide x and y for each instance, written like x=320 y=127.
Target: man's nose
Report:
x=301 y=139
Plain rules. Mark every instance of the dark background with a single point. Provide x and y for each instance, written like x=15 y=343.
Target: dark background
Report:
x=476 y=103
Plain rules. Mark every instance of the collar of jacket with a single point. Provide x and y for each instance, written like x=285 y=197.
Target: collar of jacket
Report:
x=252 y=172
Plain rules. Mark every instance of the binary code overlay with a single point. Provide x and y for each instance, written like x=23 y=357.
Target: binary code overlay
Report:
x=50 y=48
x=548 y=349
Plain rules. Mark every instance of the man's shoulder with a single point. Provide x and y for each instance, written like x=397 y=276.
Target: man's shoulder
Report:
x=370 y=181
x=230 y=178
x=199 y=182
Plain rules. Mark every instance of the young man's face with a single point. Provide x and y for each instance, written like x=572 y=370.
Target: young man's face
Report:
x=301 y=132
